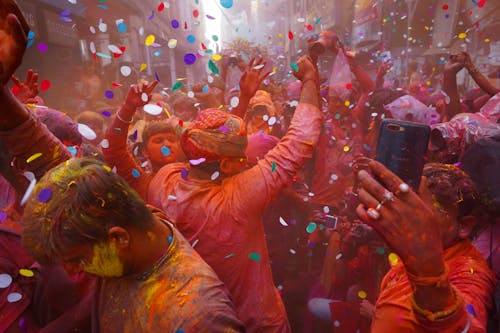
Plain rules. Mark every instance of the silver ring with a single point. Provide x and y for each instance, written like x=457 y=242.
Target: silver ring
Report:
x=374 y=214
x=388 y=196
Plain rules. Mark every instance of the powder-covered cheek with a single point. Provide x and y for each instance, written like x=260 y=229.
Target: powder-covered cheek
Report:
x=105 y=261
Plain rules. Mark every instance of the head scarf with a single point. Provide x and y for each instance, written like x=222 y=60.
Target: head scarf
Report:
x=214 y=134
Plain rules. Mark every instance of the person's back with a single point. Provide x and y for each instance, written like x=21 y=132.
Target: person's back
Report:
x=222 y=218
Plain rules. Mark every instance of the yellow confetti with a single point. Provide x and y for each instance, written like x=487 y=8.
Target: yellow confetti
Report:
x=410 y=38
x=384 y=20
x=362 y=294
x=149 y=40
x=33 y=157
x=280 y=35
x=393 y=259
x=347 y=103
x=487 y=40
x=143 y=67
x=107 y=168
x=216 y=57
x=26 y=272
x=472 y=270
x=346 y=149
x=462 y=35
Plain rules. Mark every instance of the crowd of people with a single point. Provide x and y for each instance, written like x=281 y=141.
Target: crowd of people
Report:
x=255 y=207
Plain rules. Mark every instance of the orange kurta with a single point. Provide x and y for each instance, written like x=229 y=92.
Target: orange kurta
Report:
x=468 y=274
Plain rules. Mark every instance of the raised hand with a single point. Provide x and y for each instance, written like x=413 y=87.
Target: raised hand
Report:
x=138 y=95
x=252 y=77
x=409 y=224
x=13 y=32
x=27 y=90
x=455 y=63
x=307 y=70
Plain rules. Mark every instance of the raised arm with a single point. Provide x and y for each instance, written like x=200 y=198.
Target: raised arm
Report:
x=250 y=81
x=117 y=154
x=451 y=68
x=478 y=77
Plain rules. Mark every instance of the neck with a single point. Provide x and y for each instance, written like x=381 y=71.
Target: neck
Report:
x=157 y=239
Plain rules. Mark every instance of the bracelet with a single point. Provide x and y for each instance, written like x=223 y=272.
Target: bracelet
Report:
x=472 y=70
x=433 y=316
x=430 y=281
x=124 y=121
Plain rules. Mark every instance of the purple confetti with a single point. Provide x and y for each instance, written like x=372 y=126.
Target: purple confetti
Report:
x=106 y=113
x=470 y=309
x=184 y=173
x=175 y=24
x=42 y=47
x=210 y=17
x=45 y=195
x=189 y=58
x=224 y=129
x=152 y=16
x=3 y=216
x=109 y=94
x=157 y=77
x=134 y=135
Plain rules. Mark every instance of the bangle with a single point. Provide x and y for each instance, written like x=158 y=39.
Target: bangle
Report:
x=472 y=70
x=124 y=121
x=433 y=316
x=430 y=281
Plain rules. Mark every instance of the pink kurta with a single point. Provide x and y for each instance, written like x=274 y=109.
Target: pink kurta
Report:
x=223 y=219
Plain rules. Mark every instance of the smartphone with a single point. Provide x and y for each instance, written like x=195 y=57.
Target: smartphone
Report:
x=331 y=221
x=402 y=148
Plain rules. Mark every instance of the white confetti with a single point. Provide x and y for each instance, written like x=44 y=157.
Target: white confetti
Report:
x=14 y=297
x=125 y=71
x=115 y=49
x=103 y=27
x=31 y=178
x=5 y=280
x=153 y=109
x=292 y=251
x=272 y=121
x=172 y=43
x=92 y=29
x=198 y=161
x=235 y=101
x=338 y=256
x=92 y=47
x=144 y=97
x=190 y=94
x=194 y=243
x=283 y=222
x=326 y=209
x=215 y=175
x=258 y=67
x=172 y=197
x=87 y=132
x=105 y=143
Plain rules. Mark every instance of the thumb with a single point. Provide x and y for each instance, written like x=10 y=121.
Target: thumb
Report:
x=423 y=190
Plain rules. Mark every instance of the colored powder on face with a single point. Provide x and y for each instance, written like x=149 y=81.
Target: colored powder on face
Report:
x=105 y=261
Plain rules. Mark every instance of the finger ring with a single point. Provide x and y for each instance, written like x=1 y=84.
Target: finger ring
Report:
x=388 y=196
x=404 y=188
x=373 y=213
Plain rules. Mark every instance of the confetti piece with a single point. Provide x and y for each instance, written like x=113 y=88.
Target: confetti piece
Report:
x=109 y=94
x=172 y=43
x=3 y=216
x=234 y=101
x=230 y=255
x=165 y=151
x=215 y=38
x=125 y=71
x=272 y=121
x=462 y=35
x=347 y=103
x=174 y=24
x=210 y=17
x=194 y=243
x=26 y=272
x=33 y=157
x=31 y=178
x=5 y=281
x=290 y=35
x=196 y=13
x=72 y=150
x=14 y=297
x=161 y=7
x=153 y=109
x=311 y=227
x=338 y=256
x=189 y=58
x=176 y=86
x=122 y=27
x=215 y=175
x=184 y=173
x=226 y=3
x=191 y=39
x=197 y=161
x=42 y=47
x=445 y=7
x=136 y=173
x=316 y=22
x=294 y=66
x=213 y=67
x=45 y=195
x=150 y=39
x=393 y=259
x=87 y=132
x=470 y=309
x=254 y=256
x=362 y=294
x=380 y=250
x=346 y=149
x=283 y=222
x=273 y=166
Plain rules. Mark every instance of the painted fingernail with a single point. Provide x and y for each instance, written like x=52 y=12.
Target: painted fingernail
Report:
x=373 y=213
x=403 y=187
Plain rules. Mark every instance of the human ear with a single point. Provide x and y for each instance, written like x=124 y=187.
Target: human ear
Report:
x=466 y=226
x=119 y=236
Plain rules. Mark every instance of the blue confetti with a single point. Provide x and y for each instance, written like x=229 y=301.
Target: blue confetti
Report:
x=122 y=27
x=170 y=239
x=204 y=89
x=470 y=309
x=184 y=173
x=31 y=35
x=30 y=42
x=136 y=173
x=72 y=150
x=226 y=3
x=103 y=7
x=165 y=151
x=191 y=39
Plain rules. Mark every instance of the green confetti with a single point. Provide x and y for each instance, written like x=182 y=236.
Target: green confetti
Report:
x=215 y=38
x=294 y=66
x=273 y=166
x=213 y=68
x=380 y=250
x=177 y=85
x=311 y=227
x=316 y=22
x=254 y=256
